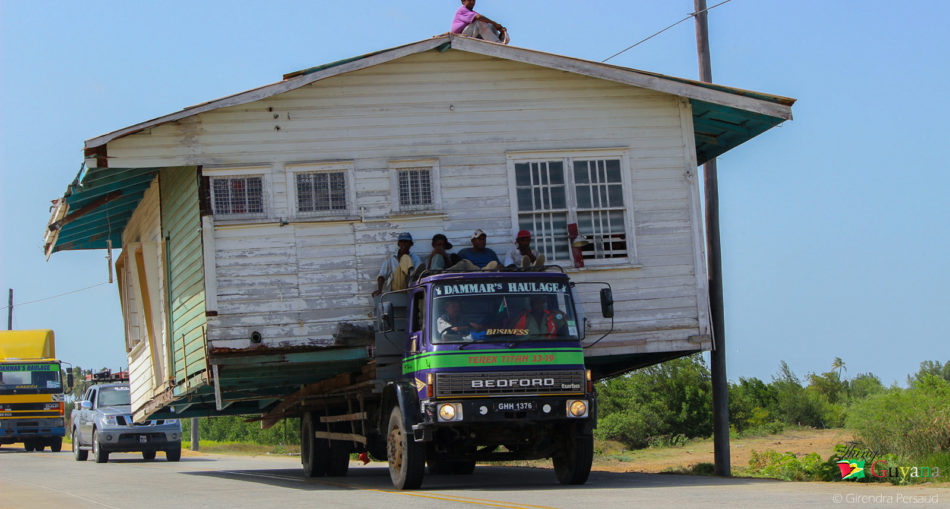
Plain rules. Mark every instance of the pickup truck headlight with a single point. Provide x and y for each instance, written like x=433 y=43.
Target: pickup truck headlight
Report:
x=449 y=412
x=109 y=420
x=171 y=421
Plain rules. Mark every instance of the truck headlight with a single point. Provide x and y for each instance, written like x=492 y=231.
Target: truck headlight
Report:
x=577 y=408
x=449 y=412
x=109 y=420
x=171 y=421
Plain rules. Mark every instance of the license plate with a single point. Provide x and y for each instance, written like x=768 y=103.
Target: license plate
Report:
x=143 y=439
x=515 y=406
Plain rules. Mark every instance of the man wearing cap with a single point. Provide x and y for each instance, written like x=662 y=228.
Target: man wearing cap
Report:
x=396 y=268
x=481 y=256
x=523 y=255
x=440 y=258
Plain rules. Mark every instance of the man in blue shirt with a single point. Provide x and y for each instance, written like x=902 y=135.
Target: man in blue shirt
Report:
x=478 y=254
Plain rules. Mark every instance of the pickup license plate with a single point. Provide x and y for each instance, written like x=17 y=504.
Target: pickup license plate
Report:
x=515 y=406
x=143 y=439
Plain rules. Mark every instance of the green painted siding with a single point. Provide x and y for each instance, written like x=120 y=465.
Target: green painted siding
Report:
x=181 y=225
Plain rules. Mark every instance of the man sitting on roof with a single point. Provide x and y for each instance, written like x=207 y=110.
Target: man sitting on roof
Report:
x=395 y=270
x=523 y=255
x=478 y=256
x=472 y=24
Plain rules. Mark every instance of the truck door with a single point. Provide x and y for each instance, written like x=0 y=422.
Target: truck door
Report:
x=88 y=416
x=417 y=315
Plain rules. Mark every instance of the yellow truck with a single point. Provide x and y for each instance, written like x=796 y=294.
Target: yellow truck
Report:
x=31 y=390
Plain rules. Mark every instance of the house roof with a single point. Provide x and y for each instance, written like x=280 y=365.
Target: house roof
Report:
x=104 y=198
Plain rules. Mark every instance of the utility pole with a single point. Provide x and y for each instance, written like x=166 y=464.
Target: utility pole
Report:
x=10 y=311
x=717 y=358
x=194 y=433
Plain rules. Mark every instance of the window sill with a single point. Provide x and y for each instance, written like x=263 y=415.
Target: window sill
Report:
x=571 y=269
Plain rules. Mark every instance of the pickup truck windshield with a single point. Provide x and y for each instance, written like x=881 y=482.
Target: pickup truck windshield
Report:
x=511 y=310
x=112 y=396
x=30 y=378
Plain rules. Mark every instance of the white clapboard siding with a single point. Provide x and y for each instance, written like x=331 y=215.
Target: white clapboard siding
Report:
x=293 y=278
x=147 y=366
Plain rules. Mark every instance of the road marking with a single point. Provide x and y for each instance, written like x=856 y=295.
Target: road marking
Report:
x=433 y=496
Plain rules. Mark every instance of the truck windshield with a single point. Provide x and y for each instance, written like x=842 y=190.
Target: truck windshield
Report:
x=112 y=396
x=509 y=310
x=30 y=378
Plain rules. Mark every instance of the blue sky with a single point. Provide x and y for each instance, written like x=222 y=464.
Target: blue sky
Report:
x=835 y=229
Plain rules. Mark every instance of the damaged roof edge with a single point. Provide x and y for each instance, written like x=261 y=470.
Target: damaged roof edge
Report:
x=771 y=105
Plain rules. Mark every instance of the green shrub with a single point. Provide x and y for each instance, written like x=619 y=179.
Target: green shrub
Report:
x=790 y=467
x=913 y=423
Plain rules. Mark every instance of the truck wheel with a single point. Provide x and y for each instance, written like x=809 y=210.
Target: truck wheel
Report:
x=313 y=451
x=97 y=452
x=78 y=453
x=173 y=454
x=148 y=455
x=572 y=463
x=338 y=461
x=407 y=458
x=28 y=445
x=56 y=444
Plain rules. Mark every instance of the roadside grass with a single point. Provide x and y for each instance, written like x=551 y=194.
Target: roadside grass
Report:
x=242 y=448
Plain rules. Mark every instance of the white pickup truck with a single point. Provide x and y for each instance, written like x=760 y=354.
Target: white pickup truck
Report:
x=102 y=423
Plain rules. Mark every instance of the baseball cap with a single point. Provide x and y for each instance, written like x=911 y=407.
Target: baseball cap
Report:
x=478 y=233
x=523 y=233
x=405 y=236
x=437 y=236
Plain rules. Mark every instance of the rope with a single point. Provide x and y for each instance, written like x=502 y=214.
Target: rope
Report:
x=690 y=15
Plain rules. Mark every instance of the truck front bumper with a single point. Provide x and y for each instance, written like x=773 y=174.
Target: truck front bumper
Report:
x=491 y=412
x=18 y=430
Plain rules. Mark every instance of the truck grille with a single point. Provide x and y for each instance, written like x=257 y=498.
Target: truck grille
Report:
x=505 y=383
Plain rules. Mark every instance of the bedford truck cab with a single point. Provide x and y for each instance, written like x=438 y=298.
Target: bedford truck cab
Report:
x=496 y=369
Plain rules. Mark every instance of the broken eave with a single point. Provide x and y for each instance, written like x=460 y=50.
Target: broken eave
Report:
x=96 y=207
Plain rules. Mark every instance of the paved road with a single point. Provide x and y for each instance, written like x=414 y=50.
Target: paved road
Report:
x=39 y=480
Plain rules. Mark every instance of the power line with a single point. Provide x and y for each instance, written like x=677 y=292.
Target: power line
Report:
x=54 y=296
x=692 y=14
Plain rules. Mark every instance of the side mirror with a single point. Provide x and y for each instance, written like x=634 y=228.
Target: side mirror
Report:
x=606 y=302
x=69 y=380
x=85 y=405
x=386 y=317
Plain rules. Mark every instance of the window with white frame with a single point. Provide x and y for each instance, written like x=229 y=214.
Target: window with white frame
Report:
x=415 y=184
x=589 y=191
x=237 y=195
x=415 y=187
x=321 y=191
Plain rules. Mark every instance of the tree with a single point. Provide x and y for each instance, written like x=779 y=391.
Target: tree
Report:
x=934 y=368
x=838 y=364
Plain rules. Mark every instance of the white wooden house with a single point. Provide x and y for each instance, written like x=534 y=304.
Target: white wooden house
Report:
x=270 y=211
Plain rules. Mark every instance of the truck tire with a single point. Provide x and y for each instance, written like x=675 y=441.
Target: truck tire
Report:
x=407 y=458
x=56 y=444
x=173 y=454
x=28 y=445
x=572 y=462
x=97 y=452
x=313 y=451
x=338 y=459
x=78 y=453
x=148 y=455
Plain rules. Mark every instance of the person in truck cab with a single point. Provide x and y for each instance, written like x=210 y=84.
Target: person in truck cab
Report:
x=538 y=320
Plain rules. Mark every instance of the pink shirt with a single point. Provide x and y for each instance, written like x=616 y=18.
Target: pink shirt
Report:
x=463 y=18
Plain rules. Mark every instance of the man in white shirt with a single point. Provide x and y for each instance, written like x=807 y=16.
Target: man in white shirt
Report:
x=522 y=255
x=396 y=267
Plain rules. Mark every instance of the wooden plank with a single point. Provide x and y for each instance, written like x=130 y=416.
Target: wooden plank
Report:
x=345 y=437
x=358 y=416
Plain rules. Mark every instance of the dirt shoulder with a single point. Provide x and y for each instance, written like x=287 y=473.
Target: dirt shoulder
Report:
x=800 y=442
